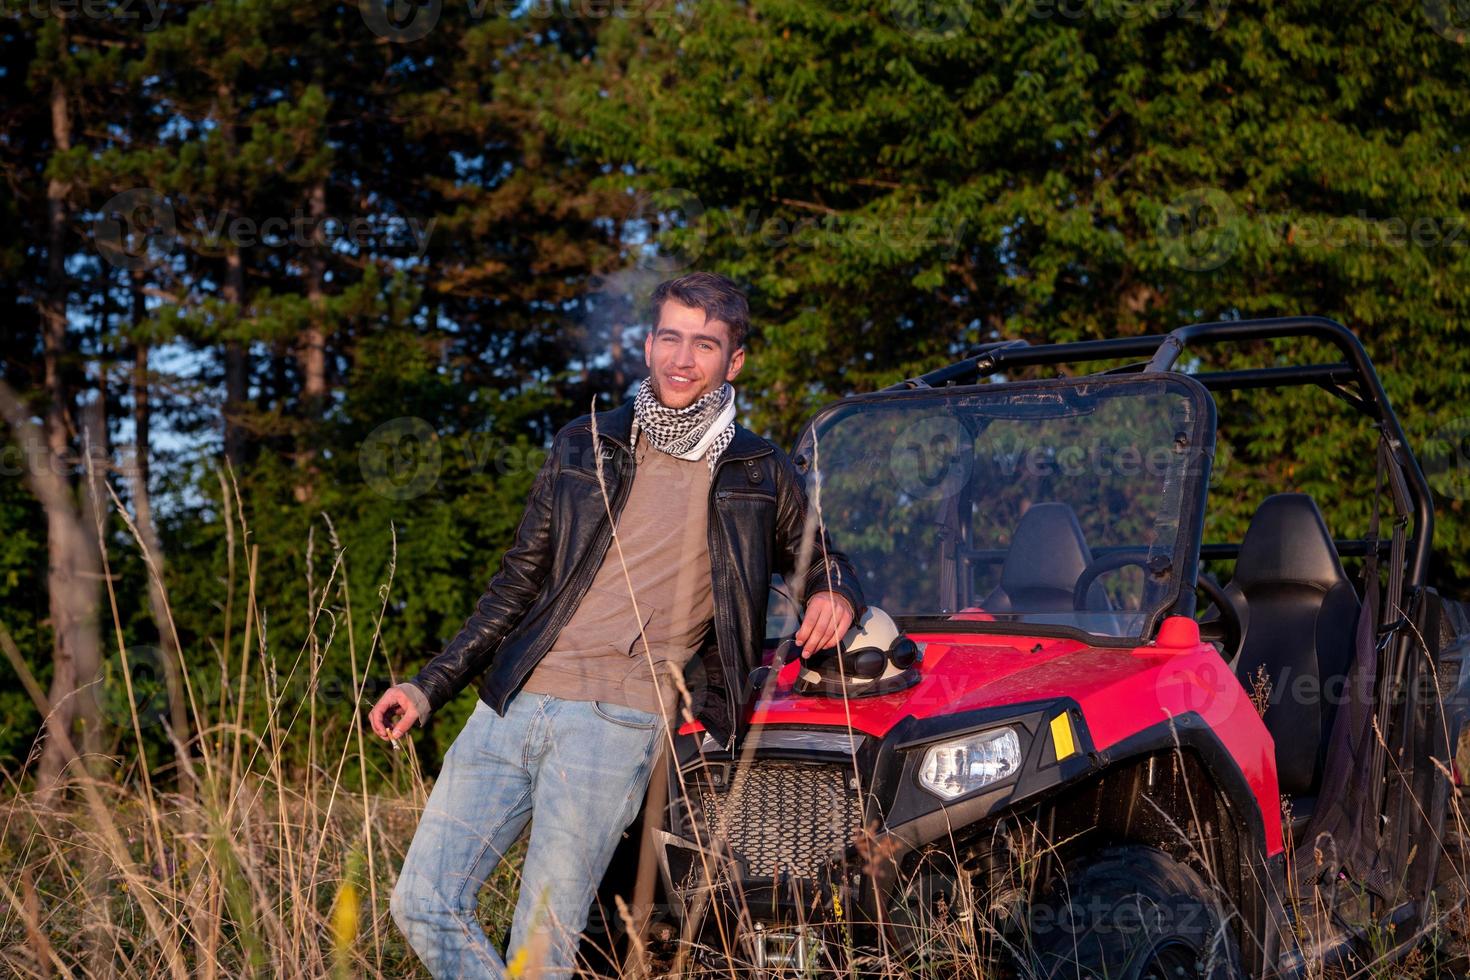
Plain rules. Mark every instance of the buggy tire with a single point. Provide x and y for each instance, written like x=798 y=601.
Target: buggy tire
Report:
x=1132 y=913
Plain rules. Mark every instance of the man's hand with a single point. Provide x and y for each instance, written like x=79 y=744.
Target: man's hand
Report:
x=393 y=715
x=827 y=619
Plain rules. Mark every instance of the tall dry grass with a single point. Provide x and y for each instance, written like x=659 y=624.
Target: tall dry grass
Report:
x=229 y=856
x=253 y=847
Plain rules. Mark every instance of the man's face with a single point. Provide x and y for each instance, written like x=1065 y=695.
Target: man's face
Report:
x=688 y=356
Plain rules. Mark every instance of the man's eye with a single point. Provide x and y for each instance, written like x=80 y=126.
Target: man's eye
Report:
x=706 y=346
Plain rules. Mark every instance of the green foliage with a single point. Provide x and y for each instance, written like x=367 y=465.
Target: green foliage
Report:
x=22 y=611
x=894 y=182
x=435 y=525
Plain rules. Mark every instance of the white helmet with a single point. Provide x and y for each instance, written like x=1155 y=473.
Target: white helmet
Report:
x=874 y=657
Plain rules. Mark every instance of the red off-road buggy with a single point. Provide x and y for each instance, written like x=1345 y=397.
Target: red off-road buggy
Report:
x=1076 y=767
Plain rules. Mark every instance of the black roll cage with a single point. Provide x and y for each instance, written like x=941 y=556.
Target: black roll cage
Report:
x=1353 y=379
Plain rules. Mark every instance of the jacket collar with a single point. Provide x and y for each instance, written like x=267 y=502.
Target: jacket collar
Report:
x=745 y=445
x=616 y=425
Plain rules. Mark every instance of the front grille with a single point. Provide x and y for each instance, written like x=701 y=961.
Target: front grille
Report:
x=783 y=816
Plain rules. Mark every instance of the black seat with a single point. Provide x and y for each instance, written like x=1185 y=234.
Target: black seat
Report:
x=1300 y=614
x=1047 y=555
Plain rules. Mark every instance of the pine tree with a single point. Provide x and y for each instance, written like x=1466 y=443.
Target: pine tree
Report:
x=899 y=182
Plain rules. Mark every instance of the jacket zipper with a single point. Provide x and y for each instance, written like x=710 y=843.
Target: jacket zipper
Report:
x=755 y=494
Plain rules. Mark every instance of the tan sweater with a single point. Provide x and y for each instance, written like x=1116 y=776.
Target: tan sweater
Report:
x=601 y=654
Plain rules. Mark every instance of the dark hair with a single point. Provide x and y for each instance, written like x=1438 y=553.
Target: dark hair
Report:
x=718 y=297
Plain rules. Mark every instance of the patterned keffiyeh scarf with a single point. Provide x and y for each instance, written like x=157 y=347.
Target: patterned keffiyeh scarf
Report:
x=703 y=429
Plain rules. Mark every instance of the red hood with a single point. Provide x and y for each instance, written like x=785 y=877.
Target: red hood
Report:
x=1120 y=691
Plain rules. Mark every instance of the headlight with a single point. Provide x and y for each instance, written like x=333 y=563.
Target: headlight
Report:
x=966 y=764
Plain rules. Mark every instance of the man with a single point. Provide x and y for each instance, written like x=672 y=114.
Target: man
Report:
x=584 y=635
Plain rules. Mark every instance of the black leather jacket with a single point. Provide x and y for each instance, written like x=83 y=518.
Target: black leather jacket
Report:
x=758 y=516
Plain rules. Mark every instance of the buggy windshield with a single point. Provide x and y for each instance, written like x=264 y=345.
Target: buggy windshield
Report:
x=1071 y=504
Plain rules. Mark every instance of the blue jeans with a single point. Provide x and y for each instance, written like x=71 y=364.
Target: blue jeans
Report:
x=582 y=768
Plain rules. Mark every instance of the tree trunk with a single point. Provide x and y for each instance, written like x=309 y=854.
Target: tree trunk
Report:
x=237 y=354
x=142 y=392
x=237 y=367
x=72 y=579
x=314 y=344
x=178 y=714
x=53 y=305
x=72 y=575
x=312 y=355
x=86 y=565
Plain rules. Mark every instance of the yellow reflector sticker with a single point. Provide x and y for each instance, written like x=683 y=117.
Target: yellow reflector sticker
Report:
x=1061 y=736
